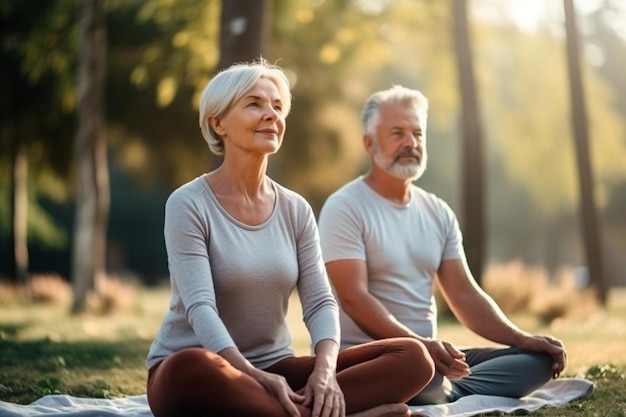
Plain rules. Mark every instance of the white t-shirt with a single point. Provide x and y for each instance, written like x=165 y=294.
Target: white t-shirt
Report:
x=403 y=246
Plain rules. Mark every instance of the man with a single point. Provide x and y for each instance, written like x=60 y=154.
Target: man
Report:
x=385 y=241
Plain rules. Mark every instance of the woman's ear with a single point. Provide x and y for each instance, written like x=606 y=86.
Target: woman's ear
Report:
x=216 y=125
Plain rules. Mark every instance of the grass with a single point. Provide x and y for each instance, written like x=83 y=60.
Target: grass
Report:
x=45 y=351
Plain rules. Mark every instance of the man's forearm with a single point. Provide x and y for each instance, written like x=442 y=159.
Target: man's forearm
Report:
x=484 y=317
x=376 y=321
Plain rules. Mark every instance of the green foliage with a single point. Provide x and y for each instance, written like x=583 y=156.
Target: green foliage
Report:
x=5 y=209
x=161 y=53
x=604 y=372
x=351 y=49
x=156 y=72
x=37 y=78
x=607 y=400
x=48 y=386
x=42 y=227
x=525 y=135
x=31 y=369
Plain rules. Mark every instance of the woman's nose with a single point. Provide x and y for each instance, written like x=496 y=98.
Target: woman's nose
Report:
x=272 y=112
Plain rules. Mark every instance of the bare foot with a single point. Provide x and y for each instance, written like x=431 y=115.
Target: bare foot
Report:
x=385 y=410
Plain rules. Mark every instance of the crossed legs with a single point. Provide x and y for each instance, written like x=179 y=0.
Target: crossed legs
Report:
x=195 y=382
x=507 y=372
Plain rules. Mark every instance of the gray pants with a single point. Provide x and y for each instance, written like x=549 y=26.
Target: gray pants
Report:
x=508 y=372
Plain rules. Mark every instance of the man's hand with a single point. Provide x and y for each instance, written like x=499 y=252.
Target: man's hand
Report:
x=553 y=347
x=449 y=361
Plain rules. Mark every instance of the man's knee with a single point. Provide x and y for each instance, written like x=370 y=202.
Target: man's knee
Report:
x=535 y=369
x=521 y=373
x=514 y=374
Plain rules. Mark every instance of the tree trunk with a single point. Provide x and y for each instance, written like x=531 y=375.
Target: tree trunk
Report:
x=101 y=165
x=90 y=223
x=242 y=36
x=591 y=230
x=473 y=160
x=20 y=212
x=242 y=30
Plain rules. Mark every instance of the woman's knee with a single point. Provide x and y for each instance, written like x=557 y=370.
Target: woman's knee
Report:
x=417 y=352
x=417 y=361
x=193 y=365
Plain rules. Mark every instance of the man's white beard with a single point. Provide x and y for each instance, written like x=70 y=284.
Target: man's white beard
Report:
x=410 y=170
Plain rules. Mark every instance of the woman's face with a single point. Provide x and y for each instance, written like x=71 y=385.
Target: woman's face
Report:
x=255 y=122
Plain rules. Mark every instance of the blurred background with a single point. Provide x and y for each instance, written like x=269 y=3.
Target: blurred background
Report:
x=526 y=133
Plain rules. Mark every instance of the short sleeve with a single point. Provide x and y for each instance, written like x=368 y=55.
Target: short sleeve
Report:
x=341 y=231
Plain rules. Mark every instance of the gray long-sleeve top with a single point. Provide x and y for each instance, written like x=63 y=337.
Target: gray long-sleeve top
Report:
x=231 y=282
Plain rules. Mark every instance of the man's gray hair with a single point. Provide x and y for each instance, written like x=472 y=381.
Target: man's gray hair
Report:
x=397 y=94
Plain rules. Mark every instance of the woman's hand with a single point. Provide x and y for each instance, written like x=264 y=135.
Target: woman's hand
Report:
x=273 y=383
x=278 y=387
x=323 y=394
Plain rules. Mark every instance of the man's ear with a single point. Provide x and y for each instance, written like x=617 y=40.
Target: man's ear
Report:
x=368 y=142
x=216 y=125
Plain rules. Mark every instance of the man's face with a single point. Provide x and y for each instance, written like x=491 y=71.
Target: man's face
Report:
x=399 y=145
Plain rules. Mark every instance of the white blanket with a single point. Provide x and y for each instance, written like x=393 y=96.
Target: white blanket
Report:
x=554 y=393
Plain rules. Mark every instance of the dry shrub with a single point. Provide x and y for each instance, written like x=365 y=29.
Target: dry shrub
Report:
x=518 y=288
x=39 y=288
x=513 y=285
x=10 y=293
x=113 y=296
x=563 y=299
x=48 y=288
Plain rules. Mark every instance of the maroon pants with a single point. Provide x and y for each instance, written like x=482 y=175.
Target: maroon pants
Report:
x=196 y=382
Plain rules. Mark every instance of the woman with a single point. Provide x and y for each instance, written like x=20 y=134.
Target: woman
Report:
x=238 y=244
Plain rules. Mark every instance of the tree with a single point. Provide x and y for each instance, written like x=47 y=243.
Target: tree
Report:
x=533 y=187
x=473 y=162
x=159 y=57
x=242 y=30
x=242 y=35
x=92 y=199
x=20 y=212
x=35 y=120
x=591 y=233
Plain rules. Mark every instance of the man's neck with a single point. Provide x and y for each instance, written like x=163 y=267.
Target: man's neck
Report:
x=393 y=189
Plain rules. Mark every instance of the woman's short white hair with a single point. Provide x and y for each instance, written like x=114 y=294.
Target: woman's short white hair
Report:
x=230 y=85
x=370 y=116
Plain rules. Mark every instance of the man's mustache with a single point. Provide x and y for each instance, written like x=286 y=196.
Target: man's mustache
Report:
x=408 y=152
